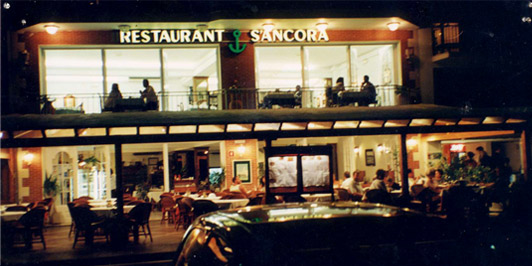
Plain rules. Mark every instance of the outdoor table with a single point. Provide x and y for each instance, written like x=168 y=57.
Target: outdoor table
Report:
x=280 y=98
x=321 y=197
x=230 y=203
x=155 y=195
x=128 y=104
x=108 y=211
x=11 y=216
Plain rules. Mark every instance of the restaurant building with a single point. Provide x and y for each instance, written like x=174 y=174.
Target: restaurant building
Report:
x=197 y=68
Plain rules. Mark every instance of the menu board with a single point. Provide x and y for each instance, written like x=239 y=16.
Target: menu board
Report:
x=282 y=171
x=316 y=171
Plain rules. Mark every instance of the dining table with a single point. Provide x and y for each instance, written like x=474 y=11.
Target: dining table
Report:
x=317 y=197
x=11 y=216
x=223 y=204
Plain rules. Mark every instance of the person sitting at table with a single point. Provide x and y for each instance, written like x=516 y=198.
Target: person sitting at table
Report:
x=111 y=100
x=368 y=89
x=149 y=96
x=430 y=196
x=438 y=177
x=352 y=185
x=378 y=182
x=339 y=87
x=237 y=187
x=391 y=184
x=297 y=95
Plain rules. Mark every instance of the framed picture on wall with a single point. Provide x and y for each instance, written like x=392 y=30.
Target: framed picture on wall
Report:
x=370 y=157
x=242 y=169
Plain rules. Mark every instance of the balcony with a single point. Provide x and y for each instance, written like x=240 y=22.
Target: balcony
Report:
x=241 y=98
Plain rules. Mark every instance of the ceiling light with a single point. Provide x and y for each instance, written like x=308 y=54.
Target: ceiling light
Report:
x=51 y=29
x=393 y=26
x=268 y=26
x=202 y=27
x=322 y=26
x=7 y=5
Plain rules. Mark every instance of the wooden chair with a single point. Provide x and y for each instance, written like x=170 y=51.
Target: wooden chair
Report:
x=30 y=225
x=202 y=206
x=139 y=217
x=168 y=209
x=184 y=212
x=135 y=202
x=378 y=196
x=87 y=225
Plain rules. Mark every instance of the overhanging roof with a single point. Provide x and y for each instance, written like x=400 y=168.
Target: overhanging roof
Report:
x=135 y=127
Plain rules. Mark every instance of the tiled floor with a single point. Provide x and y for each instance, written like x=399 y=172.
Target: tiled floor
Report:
x=59 y=249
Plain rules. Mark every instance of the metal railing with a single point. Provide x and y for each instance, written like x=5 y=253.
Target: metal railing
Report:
x=445 y=38
x=240 y=98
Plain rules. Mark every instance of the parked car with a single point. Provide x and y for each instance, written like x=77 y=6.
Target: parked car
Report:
x=341 y=233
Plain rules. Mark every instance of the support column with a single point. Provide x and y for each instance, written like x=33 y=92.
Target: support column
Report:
x=119 y=181
x=404 y=166
x=166 y=167
x=526 y=141
x=107 y=153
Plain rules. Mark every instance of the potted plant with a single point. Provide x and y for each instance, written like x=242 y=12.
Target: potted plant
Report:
x=458 y=171
x=216 y=179
x=50 y=186
x=402 y=95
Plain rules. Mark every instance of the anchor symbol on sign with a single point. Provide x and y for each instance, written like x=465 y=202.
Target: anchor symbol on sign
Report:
x=236 y=48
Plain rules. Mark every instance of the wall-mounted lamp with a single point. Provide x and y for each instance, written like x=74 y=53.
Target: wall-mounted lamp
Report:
x=356 y=150
x=380 y=148
x=241 y=149
x=393 y=26
x=411 y=143
x=51 y=29
x=268 y=26
x=28 y=158
x=322 y=26
x=202 y=27
x=124 y=28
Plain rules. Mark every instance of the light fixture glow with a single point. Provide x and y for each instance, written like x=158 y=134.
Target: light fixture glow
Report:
x=124 y=28
x=51 y=29
x=380 y=148
x=268 y=26
x=356 y=150
x=393 y=26
x=202 y=27
x=322 y=26
x=241 y=149
x=28 y=158
x=411 y=143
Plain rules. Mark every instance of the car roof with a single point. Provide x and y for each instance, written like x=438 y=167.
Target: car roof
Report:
x=304 y=211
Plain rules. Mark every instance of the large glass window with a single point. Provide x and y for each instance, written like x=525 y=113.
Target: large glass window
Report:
x=323 y=66
x=79 y=79
x=320 y=66
x=191 y=78
x=128 y=67
x=74 y=78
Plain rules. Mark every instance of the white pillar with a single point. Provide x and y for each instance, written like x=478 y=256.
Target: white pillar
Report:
x=166 y=167
x=107 y=154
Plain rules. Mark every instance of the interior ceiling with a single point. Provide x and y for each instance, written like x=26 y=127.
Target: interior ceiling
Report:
x=229 y=24
x=214 y=146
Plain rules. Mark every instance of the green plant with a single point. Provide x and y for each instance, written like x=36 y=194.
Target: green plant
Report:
x=92 y=160
x=50 y=186
x=458 y=170
x=216 y=179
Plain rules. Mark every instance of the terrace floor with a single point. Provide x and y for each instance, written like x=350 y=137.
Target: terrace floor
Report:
x=59 y=249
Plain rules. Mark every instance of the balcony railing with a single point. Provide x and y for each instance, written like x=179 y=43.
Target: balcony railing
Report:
x=241 y=98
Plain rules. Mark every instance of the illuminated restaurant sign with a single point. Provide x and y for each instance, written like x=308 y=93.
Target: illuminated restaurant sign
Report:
x=157 y=36
x=171 y=36
x=288 y=36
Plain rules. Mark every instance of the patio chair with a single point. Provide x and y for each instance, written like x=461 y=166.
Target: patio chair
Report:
x=184 y=212
x=87 y=224
x=30 y=225
x=378 y=196
x=200 y=207
x=168 y=209
x=139 y=217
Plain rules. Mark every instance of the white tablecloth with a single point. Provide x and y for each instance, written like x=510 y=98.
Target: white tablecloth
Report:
x=11 y=216
x=321 y=197
x=108 y=211
x=155 y=195
x=230 y=203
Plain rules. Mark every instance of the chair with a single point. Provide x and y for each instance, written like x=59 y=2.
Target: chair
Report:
x=84 y=198
x=139 y=217
x=378 y=196
x=168 y=209
x=184 y=212
x=71 y=205
x=234 y=195
x=416 y=189
x=18 y=208
x=31 y=224
x=294 y=198
x=87 y=223
x=200 y=207
x=256 y=201
x=343 y=194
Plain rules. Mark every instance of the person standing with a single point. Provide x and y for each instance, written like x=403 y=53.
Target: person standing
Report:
x=369 y=92
x=483 y=158
x=149 y=96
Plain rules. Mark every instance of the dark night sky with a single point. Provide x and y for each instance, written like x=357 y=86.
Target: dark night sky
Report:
x=495 y=41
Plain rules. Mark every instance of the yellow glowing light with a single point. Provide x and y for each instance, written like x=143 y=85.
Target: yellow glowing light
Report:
x=51 y=29
x=393 y=26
